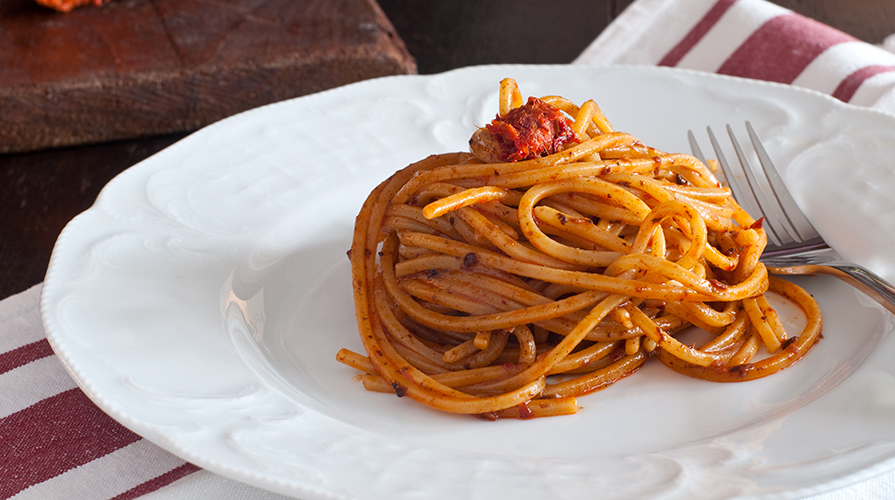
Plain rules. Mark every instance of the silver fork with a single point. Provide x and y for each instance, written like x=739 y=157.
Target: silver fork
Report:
x=794 y=246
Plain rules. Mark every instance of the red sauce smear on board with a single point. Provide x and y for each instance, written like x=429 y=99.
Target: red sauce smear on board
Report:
x=68 y=5
x=532 y=130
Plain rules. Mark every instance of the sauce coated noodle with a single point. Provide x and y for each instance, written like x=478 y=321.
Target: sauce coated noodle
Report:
x=553 y=260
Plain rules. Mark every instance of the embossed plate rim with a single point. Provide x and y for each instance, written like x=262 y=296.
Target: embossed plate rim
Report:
x=184 y=221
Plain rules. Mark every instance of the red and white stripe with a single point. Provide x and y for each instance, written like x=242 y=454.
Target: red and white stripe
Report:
x=750 y=39
x=54 y=442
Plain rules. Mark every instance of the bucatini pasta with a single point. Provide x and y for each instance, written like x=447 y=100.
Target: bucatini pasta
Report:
x=554 y=259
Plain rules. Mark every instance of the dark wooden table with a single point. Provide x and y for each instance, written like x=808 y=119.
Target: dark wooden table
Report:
x=41 y=191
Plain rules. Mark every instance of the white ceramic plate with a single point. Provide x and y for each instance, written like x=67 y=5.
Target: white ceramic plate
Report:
x=202 y=300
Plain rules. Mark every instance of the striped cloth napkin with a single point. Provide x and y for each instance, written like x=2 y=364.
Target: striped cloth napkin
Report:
x=750 y=39
x=55 y=444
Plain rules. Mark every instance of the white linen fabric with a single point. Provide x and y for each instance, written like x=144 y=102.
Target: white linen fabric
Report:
x=750 y=39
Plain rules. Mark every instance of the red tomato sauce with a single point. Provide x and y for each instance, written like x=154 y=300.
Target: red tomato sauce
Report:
x=532 y=130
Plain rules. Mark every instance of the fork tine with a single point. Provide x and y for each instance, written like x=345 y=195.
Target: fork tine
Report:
x=775 y=220
x=800 y=224
x=747 y=200
x=694 y=146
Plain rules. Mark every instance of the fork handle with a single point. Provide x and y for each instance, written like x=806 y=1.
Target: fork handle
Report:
x=864 y=280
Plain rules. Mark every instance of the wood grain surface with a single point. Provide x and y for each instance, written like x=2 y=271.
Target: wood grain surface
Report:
x=145 y=67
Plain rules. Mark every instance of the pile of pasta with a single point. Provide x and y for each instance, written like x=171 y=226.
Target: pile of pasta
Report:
x=551 y=261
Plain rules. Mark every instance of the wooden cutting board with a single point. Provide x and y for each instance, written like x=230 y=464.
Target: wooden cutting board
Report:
x=134 y=68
